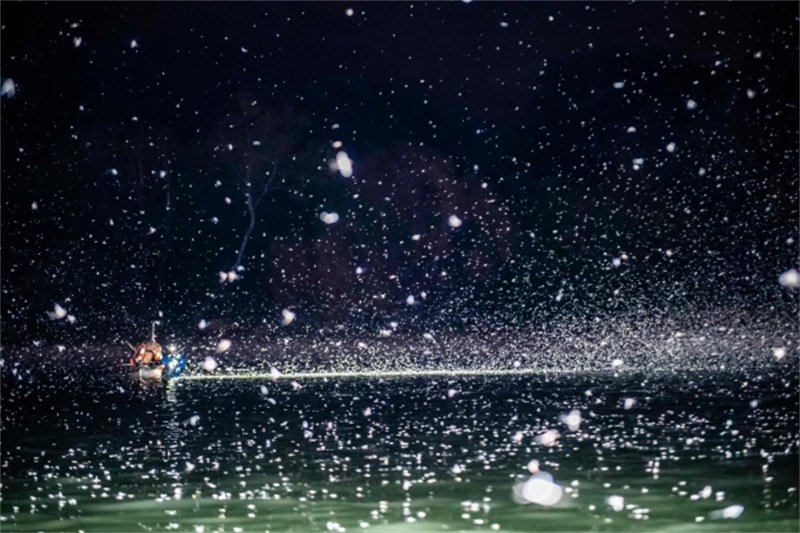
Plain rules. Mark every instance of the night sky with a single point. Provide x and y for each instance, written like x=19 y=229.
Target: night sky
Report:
x=512 y=164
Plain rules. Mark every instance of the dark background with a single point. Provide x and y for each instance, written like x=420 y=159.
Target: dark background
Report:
x=116 y=165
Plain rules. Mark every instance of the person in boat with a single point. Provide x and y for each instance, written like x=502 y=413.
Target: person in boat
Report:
x=149 y=358
x=147 y=353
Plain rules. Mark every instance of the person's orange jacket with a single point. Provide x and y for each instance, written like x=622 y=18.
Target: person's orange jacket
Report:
x=146 y=352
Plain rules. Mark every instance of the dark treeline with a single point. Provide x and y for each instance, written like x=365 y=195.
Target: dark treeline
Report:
x=127 y=219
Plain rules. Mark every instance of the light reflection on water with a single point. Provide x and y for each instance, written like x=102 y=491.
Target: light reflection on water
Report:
x=659 y=452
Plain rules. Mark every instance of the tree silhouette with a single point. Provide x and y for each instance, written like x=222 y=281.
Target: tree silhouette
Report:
x=395 y=248
x=262 y=150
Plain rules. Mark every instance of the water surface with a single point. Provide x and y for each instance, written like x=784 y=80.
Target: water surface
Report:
x=656 y=451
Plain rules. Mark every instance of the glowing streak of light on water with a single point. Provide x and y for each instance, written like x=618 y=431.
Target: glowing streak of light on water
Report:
x=373 y=374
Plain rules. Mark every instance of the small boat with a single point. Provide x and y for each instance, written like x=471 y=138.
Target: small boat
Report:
x=150 y=363
x=144 y=372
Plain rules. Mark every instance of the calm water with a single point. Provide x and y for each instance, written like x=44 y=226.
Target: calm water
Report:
x=652 y=452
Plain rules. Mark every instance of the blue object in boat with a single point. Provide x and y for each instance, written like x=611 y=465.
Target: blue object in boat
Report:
x=174 y=363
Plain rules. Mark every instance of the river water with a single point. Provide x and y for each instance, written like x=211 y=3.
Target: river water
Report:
x=627 y=451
